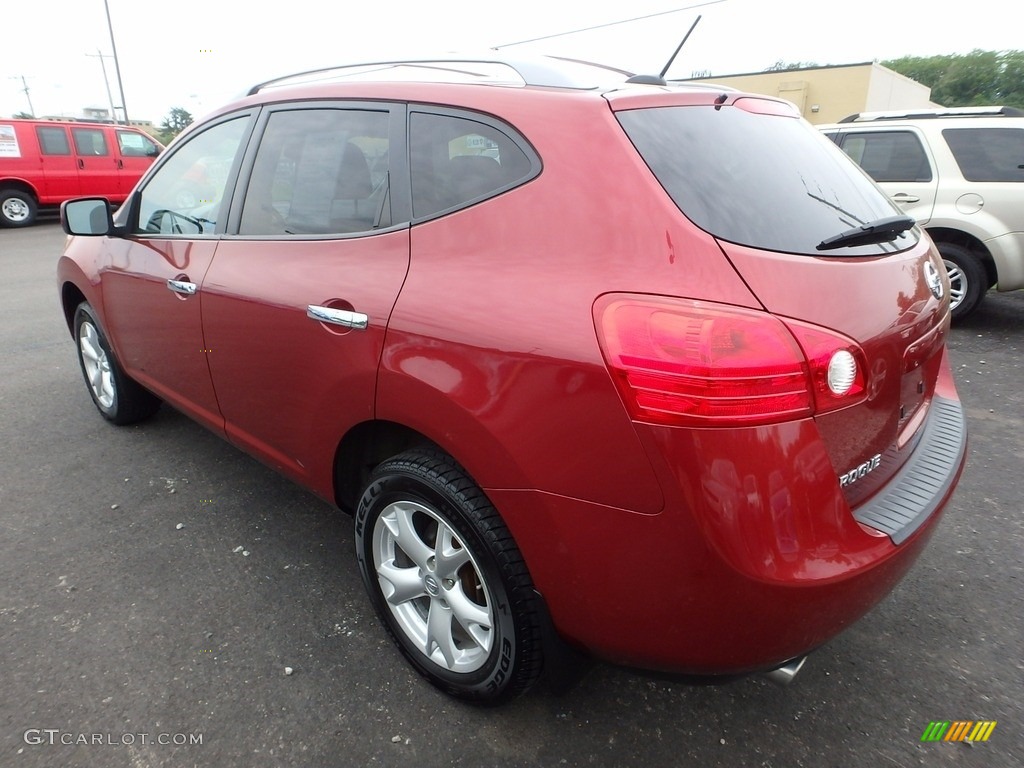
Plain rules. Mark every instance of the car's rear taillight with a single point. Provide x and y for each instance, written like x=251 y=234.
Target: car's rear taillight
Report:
x=694 y=363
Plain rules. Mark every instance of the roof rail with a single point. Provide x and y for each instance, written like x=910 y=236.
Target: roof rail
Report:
x=491 y=68
x=937 y=113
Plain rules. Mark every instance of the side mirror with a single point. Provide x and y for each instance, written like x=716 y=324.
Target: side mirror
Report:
x=87 y=216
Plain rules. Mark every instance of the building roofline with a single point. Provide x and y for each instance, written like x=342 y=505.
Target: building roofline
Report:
x=777 y=71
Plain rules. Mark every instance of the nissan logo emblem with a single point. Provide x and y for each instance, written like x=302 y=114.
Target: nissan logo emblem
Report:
x=931 y=277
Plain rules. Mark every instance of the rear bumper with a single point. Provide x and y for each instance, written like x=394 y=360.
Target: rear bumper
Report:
x=756 y=558
x=925 y=481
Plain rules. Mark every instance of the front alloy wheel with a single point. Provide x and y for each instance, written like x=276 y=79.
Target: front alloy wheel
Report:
x=96 y=365
x=447 y=580
x=117 y=396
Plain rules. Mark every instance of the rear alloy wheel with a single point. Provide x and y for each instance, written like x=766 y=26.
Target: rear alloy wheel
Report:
x=119 y=398
x=447 y=580
x=17 y=208
x=967 y=279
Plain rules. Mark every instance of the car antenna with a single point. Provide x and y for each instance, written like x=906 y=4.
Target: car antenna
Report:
x=659 y=79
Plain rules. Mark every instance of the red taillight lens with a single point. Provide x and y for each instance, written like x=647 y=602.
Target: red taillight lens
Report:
x=692 y=363
x=823 y=349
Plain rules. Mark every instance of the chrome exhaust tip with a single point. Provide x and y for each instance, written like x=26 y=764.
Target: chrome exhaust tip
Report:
x=784 y=675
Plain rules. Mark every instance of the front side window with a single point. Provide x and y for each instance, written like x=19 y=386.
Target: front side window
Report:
x=90 y=141
x=319 y=172
x=136 y=145
x=988 y=154
x=185 y=196
x=889 y=155
x=53 y=141
x=455 y=161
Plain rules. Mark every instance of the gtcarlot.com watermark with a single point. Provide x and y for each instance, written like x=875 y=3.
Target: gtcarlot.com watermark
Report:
x=54 y=736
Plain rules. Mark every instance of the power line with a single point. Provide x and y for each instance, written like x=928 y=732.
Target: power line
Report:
x=610 y=24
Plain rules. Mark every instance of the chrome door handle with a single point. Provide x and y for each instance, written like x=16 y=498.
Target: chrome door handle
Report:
x=182 y=287
x=903 y=197
x=343 y=317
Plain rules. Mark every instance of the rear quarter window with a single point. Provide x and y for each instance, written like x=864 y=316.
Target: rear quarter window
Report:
x=988 y=154
x=761 y=180
x=456 y=161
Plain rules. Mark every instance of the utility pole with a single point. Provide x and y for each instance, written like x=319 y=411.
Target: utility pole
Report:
x=106 y=82
x=24 y=88
x=117 y=66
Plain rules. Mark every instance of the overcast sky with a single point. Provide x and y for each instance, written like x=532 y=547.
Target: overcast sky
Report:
x=198 y=54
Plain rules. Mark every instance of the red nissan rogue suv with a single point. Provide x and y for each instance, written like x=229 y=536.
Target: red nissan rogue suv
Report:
x=651 y=372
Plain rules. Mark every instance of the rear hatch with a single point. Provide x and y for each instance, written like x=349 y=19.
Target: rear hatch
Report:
x=822 y=249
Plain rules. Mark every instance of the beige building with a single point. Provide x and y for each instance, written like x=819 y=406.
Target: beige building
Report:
x=828 y=94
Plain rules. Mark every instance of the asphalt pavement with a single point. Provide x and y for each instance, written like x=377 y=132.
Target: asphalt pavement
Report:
x=157 y=585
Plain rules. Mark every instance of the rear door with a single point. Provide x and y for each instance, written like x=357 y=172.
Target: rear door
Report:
x=900 y=161
x=295 y=307
x=97 y=165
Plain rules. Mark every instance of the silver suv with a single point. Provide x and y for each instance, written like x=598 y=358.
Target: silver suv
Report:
x=960 y=173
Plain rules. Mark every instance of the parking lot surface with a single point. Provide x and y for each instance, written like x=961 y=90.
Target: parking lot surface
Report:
x=156 y=585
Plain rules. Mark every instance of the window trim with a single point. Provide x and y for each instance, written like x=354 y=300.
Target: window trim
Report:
x=398 y=181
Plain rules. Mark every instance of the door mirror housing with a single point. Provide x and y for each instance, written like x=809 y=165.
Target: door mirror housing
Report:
x=87 y=216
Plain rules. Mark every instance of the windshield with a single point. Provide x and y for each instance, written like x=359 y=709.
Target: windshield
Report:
x=762 y=180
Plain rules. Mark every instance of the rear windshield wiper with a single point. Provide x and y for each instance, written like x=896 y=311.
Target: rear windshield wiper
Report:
x=878 y=231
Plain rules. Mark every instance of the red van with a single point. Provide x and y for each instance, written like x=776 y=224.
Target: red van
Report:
x=44 y=163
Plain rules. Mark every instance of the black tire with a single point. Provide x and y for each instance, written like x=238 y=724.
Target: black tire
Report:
x=118 y=398
x=424 y=502
x=968 y=281
x=17 y=208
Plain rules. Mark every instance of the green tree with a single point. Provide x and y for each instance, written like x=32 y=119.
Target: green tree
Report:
x=978 y=78
x=177 y=120
x=23 y=116
x=783 y=66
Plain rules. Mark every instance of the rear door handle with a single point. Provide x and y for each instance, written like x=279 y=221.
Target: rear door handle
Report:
x=343 y=317
x=181 y=286
x=903 y=197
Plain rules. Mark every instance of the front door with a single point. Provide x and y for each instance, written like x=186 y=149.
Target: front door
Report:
x=153 y=278
x=135 y=154
x=899 y=161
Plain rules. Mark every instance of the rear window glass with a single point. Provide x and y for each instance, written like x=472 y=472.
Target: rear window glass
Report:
x=764 y=181
x=988 y=154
